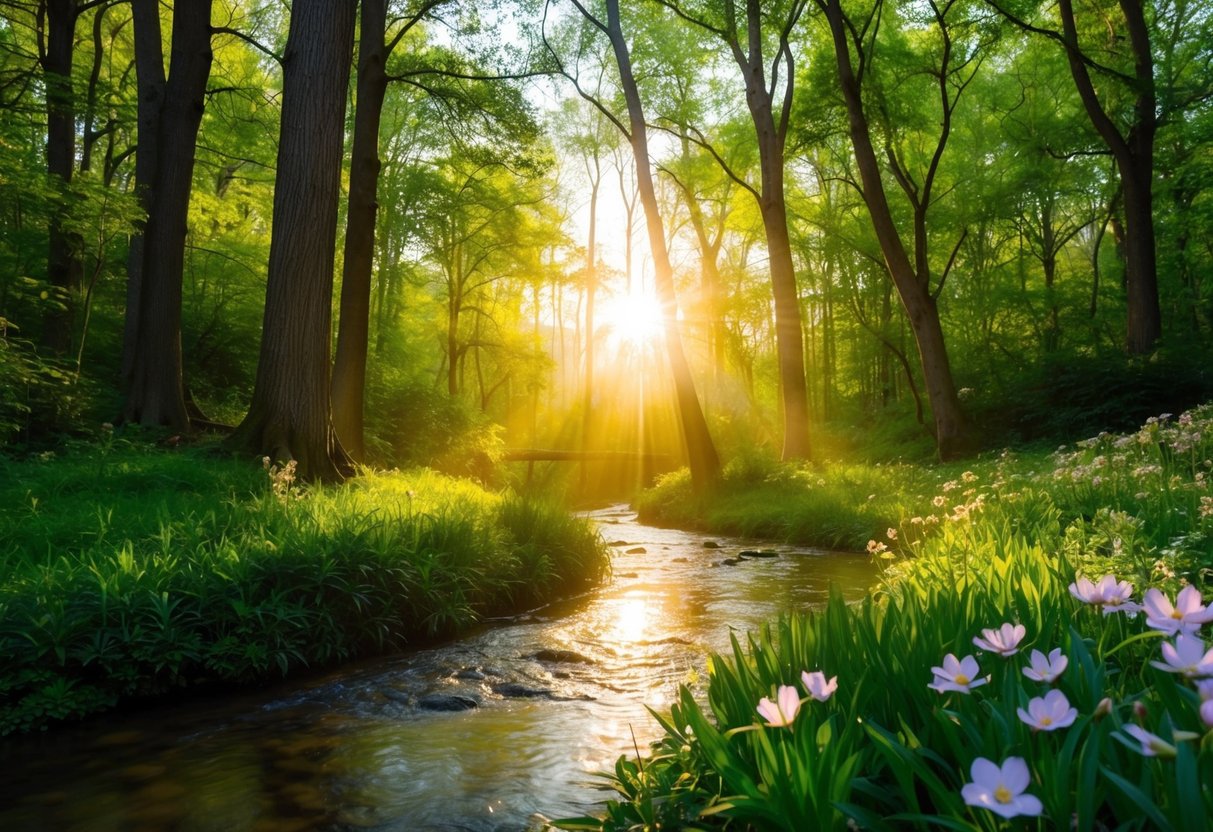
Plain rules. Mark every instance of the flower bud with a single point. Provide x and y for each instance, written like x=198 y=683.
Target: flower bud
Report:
x=1140 y=711
x=1104 y=708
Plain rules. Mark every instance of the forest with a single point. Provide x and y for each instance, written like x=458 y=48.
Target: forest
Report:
x=328 y=328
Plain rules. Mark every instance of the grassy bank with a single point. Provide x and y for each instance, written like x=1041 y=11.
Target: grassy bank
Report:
x=1124 y=738
x=129 y=572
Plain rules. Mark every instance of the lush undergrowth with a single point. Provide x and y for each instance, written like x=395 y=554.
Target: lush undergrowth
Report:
x=935 y=722
x=128 y=572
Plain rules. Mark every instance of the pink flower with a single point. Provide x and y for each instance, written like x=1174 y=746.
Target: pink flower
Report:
x=1185 y=616
x=1004 y=641
x=817 y=686
x=957 y=674
x=1046 y=669
x=783 y=710
x=1109 y=594
x=1186 y=656
x=1001 y=788
x=1048 y=713
x=1153 y=745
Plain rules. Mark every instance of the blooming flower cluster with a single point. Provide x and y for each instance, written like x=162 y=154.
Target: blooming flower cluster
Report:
x=1002 y=788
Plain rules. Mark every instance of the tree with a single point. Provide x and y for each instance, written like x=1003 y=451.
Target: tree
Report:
x=757 y=37
x=353 y=331
x=913 y=279
x=290 y=417
x=155 y=390
x=701 y=452
x=1128 y=128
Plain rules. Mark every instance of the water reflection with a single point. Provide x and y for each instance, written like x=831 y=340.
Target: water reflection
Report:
x=561 y=694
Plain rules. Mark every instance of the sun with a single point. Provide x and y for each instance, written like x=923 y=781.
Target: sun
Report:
x=632 y=320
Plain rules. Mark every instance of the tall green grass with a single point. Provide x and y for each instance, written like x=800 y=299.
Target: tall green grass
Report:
x=128 y=572
x=1000 y=543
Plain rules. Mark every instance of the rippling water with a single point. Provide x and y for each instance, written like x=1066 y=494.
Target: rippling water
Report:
x=560 y=694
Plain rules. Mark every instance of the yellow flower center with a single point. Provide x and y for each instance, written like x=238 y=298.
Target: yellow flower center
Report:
x=1002 y=794
x=1046 y=721
x=961 y=679
x=1176 y=614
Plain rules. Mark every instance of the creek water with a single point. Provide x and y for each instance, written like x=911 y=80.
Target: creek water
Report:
x=558 y=694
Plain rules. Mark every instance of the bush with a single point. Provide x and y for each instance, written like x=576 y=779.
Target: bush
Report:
x=128 y=573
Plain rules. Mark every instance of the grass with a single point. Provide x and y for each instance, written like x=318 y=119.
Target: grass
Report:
x=1000 y=543
x=130 y=571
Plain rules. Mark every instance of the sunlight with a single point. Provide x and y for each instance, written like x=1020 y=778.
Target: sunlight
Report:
x=632 y=320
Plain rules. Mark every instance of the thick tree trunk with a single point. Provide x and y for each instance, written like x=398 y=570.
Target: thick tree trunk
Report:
x=149 y=75
x=353 y=330
x=156 y=391
x=290 y=417
x=701 y=452
x=63 y=268
x=952 y=437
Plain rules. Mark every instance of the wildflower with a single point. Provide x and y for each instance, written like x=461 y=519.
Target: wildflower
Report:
x=817 y=686
x=1109 y=594
x=1185 y=616
x=1152 y=745
x=1004 y=641
x=1104 y=708
x=957 y=674
x=1001 y=788
x=783 y=710
x=1046 y=668
x=969 y=476
x=938 y=501
x=1049 y=712
x=891 y=534
x=876 y=547
x=1186 y=656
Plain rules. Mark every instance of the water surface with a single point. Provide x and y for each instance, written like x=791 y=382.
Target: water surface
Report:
x=559 y=694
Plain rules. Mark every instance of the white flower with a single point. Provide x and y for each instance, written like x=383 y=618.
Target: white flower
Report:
x=783 y=710
x=1185 y=616
x=957 y=674
x=1048 y=713
x=1001 y=789
x=1046 y=668
x=1004 y=641
x=1186 y=656
x=817 y=686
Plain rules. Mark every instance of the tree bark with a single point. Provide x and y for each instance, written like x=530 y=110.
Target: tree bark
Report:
x=701 y=452
x=290 y=417
x=353 y=331
x=155 y=393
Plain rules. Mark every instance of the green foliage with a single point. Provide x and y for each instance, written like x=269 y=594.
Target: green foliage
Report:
x=885 y=751
x=126 y=572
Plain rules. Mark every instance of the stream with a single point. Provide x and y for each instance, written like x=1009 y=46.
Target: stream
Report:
x=492 y=732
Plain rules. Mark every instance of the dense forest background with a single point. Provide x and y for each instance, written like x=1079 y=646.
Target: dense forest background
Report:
x=416 y=232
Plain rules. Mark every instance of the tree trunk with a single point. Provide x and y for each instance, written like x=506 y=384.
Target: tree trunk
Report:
x=155 y=393
x=290 y=417
x=353 y=331
x=63 y=268
x=952 y=437
x=701 y=452
x=1134 y=155
x=149 y=76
